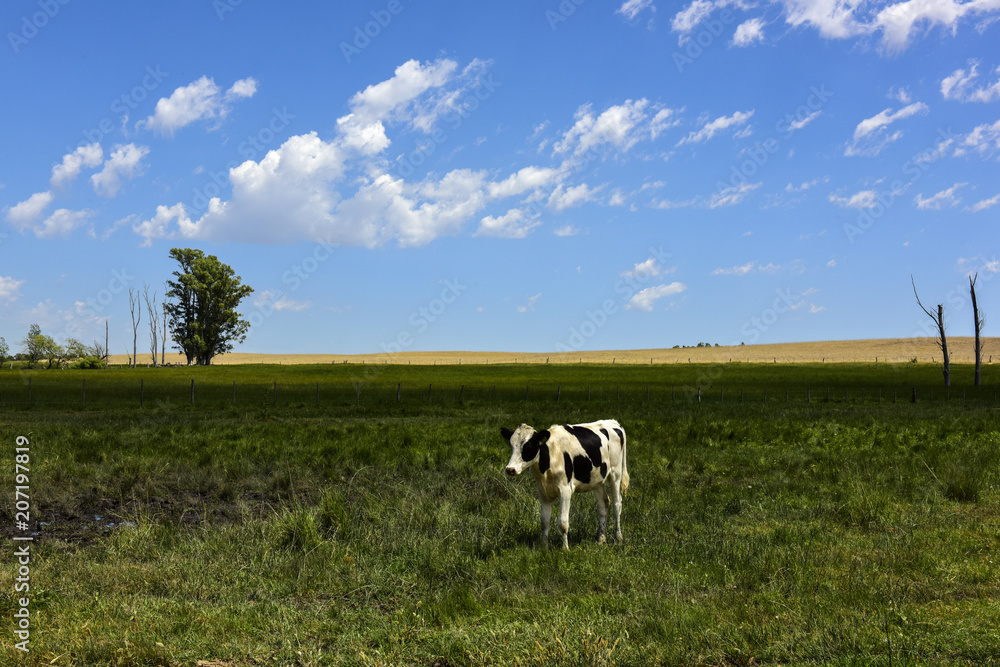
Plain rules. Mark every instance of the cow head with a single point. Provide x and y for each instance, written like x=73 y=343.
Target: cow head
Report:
x=527 y=447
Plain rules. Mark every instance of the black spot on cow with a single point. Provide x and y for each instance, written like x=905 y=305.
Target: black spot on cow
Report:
x=568 y=463
x=531 y=448
x=604 y=469
x=543 y=458
x=621 y=436
x=582 y=468
x=605 y=433
x=590 y=441
x=506 y=433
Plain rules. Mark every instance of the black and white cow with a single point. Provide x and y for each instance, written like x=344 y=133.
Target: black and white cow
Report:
x=571 y=458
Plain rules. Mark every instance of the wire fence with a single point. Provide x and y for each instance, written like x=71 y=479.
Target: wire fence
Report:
x=97 y=393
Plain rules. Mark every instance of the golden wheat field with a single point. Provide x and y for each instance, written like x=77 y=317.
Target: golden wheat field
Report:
x=890 y=350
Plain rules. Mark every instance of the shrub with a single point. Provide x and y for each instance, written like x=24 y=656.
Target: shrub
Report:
x=89 y=363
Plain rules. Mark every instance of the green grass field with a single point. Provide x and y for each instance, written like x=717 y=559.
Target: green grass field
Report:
x=852 y=530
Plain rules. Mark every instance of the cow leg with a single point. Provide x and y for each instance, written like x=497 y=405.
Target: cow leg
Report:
x=602 y=513
x=543 y=538
x=616 y=506
x=564 y=516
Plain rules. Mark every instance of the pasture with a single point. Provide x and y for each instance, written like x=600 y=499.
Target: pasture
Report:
x=345 y=515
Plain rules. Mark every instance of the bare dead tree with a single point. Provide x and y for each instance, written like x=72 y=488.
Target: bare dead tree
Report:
x=154 y=322
x=979 y=321
x=942 y=340
x=163 y=339
x=136 y=309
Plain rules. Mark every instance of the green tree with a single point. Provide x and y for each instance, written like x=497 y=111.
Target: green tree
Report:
x=201 y=306
x=39 y=346
x=4 y=350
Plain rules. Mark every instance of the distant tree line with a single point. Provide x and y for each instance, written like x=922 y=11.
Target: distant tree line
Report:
x=198 y=312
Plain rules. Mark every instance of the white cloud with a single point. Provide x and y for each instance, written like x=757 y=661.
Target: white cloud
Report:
x=945 y=198
x=9 y=289
x=834 y=19
x=72 y=163
x=617 y=126
x=279 y=301
x=898 y=21
x=528 y=179
x=339 y=190
x=632 y=8
x=711 y=128
x=741 y=270
x=61 y=223
x=871 y=135
x=159 y=225
x=687 y=19
x=831 y=264
x=984 y=139
x=645 y=270
x=813 y=309
x=567 y=230
x=199 y=100
x=26 y=213
x=514 y=224
x=125 y=162
x=799 y=123
x=732 y=195
x=844 y=19
x=863 y=199
x=959 y=86
x=531 y=304
x=646 y=299
x=806 y=185
x=563 y=197
x=242 y=89
x=748 y=33
x=984 y=204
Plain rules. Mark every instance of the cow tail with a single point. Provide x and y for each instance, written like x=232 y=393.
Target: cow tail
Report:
x=624 y=466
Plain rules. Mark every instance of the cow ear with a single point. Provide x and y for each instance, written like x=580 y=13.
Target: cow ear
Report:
x=506 y=433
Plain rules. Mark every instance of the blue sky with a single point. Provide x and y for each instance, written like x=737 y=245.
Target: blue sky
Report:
x=522 y=176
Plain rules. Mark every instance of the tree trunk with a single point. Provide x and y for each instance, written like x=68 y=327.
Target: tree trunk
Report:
x=942 y=338
x=944 y=346
x=979 y=326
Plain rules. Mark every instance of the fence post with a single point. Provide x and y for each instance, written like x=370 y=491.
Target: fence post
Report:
x=429 y=392
x=461 y=389
x=357 y=393
x=808 y=395
x=317 y=394
x=399 y=389
x=274 y=394
x=526 y=388
x=558 y=392
x=234 y=392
